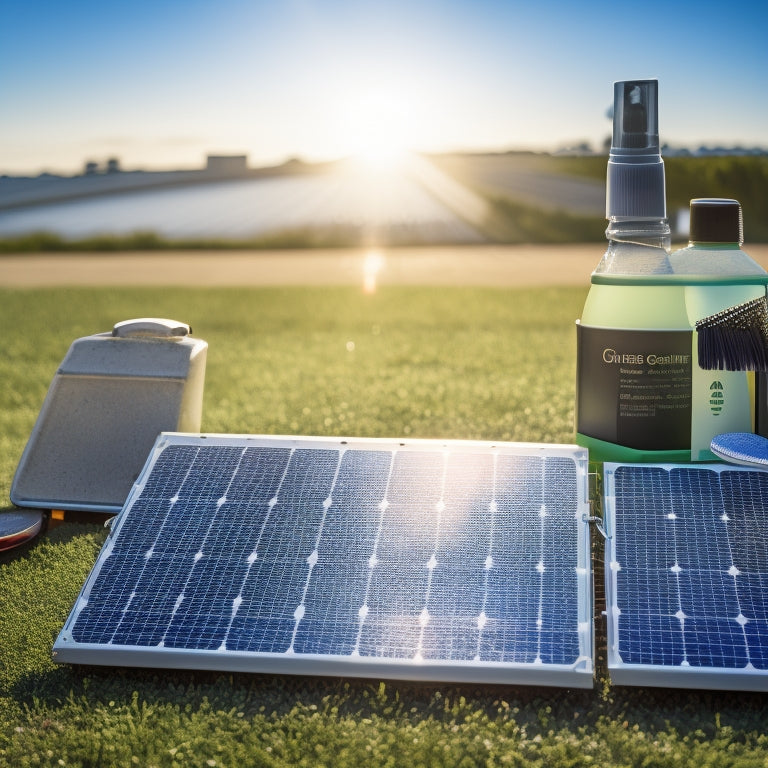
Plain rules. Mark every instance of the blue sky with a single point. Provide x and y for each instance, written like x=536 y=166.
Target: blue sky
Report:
x=162 y=83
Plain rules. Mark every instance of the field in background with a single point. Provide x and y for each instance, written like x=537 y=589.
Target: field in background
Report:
x=507 y=198
x=451 y=362
x=743 y=178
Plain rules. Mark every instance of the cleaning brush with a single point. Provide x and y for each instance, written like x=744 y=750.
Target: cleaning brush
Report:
x=735 y=339
x=741 y=448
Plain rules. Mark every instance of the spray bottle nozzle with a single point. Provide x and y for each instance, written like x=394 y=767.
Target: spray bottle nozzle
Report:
x=635 y=168
x=635 y=117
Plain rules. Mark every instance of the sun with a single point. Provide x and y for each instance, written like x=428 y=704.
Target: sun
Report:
x=378 y=128
x=381 y=157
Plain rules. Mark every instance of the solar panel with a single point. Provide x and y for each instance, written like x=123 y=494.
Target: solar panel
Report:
x=454 y=561
x=687 y=576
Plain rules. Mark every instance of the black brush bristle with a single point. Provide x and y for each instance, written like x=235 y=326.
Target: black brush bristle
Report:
x=735 y=339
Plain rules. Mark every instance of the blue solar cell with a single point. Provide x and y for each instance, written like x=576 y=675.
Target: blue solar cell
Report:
x=259 y=475
x=753 y=595
x=687 y=574
x=650 y=639
x=756 y=633
x=718 y=643
x=469 y=558
x=654 y=592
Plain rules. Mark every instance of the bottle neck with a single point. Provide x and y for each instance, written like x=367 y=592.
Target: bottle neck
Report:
x=655 y=233
x=637 y=248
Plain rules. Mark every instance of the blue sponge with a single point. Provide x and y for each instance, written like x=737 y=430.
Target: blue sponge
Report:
x=741 y=448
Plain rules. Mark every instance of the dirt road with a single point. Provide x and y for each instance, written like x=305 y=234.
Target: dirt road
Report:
x=522 y=265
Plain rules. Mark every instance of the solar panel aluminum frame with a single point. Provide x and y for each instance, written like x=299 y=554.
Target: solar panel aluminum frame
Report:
x=661 y=675
x=578 y=674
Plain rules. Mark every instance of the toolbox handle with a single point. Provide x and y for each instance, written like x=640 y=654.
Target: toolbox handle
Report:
x=150 y=326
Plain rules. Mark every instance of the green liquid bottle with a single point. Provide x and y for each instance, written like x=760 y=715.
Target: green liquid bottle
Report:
x=718 y=275
x=634 y=339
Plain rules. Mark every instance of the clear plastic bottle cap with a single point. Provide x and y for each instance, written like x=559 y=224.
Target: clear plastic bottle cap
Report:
x=716 y=220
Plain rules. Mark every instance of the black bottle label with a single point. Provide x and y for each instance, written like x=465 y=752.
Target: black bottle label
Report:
x=633 y=387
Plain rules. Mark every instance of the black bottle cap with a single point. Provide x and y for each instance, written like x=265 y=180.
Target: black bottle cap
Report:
x=716 y=220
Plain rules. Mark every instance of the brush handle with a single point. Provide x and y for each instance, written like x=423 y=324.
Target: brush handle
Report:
x=761 y=403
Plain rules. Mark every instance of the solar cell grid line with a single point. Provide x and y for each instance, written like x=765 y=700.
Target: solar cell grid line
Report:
x=274 y=588
x=680 y=605
x=162 y=583
x=373 y=560
x=556 y=639
x=255 y=552
x=676 y=570
x=202 y=583
x=745 y=503
x=313 y=557
x=335 y=594
x=493 y=509
x=455 y=585
x=431 y=564
x=206 y=616
x=717 y=578
x=712 y=622
x=342 y=555
x=541 y=569
x=398 y=586
x=367 y=557
x=181 y=597
x=526 y=624
x=110 y=616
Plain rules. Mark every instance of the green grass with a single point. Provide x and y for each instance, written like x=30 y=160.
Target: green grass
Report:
x=513 y=222
x=331 y=236
x=449 y=362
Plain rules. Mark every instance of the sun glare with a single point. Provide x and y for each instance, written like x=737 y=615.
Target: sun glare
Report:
x=381 y=157
x=379 y=128
x=373 y=263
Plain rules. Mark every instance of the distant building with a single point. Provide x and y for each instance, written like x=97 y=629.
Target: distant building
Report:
x=227 y=165
x=112 y=165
